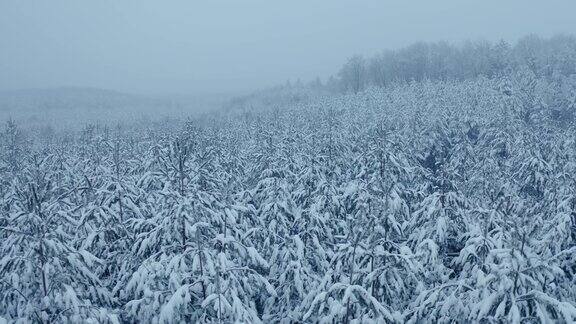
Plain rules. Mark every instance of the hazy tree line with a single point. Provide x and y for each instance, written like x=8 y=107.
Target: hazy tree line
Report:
x=435 y=200
x=550 y=61
x=443 y=61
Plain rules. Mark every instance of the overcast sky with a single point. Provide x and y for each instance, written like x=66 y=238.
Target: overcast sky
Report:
x=210 y=46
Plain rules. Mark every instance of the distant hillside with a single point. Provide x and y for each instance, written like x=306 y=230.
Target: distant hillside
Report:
x=551 y=61
x=70 y=98
x=70 y=106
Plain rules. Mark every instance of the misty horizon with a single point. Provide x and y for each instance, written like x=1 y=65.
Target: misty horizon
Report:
x=141 y=47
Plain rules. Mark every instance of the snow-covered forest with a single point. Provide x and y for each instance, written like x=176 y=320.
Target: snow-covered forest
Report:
x=434 y=183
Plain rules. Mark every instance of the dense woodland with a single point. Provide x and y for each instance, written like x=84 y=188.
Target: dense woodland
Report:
x=430 y=184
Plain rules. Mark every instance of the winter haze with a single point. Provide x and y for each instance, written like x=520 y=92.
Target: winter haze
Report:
x=193 y=47
x=287 y=162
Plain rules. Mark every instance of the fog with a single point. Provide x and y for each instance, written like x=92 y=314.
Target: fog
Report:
x=211 y=47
